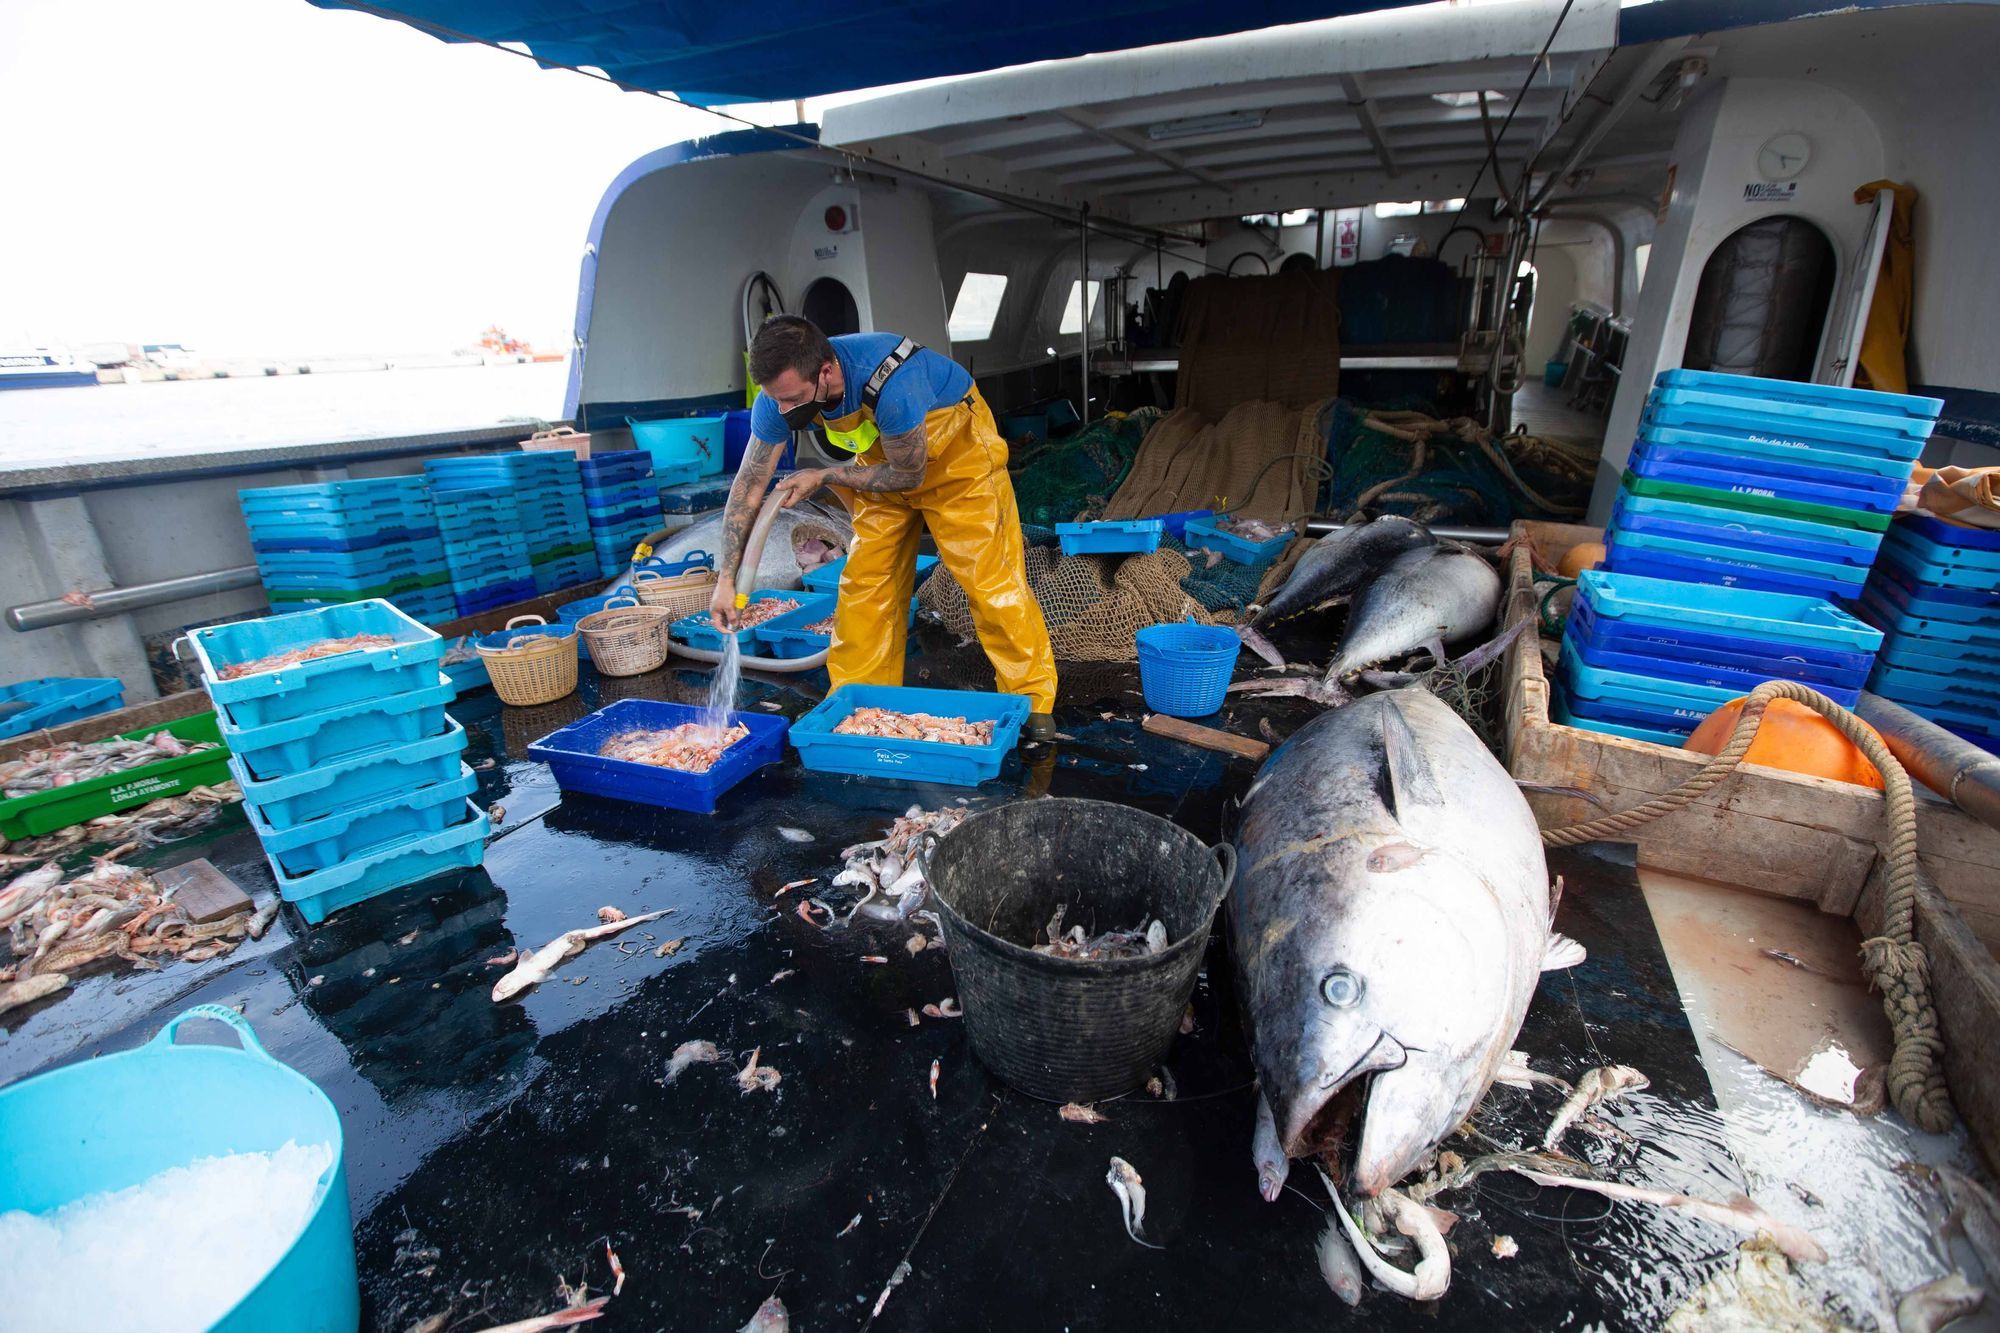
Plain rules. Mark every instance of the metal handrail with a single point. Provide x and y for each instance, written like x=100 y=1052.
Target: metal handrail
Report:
x=134 y=597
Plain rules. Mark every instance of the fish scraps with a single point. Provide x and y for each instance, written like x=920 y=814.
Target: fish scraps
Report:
x=687 y=748
x=757 y=613
x=892 y=725
x=754 y=1077
x=691 y=1053
x=1078 y=1114
x=534 y=968
x=80 y=761
x=305 y=653
x=148 y=825
x=889 y=867
x=1076 y=947
x=1130 y=1188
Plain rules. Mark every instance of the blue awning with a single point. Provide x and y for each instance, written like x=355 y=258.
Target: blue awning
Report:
x=776 y=50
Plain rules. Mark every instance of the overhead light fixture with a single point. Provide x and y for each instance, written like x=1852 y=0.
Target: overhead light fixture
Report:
x=1468 y=99
x=1189 y=126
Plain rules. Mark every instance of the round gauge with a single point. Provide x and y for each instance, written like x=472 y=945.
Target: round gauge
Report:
x=1784 y=156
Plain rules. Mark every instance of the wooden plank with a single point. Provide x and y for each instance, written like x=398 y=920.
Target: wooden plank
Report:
x=153 y=713
x=203 y=891
x=1208 y=738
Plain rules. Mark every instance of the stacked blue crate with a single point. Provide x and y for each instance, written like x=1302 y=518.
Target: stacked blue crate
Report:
x=349 y=541
x=548 y=492
x=622 y=502
x=485 y=549
x=350 y=767
x=1935 y=594
x=1765 y=484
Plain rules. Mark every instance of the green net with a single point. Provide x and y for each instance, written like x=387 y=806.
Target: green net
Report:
x=1446 y=479
x=1055 y=481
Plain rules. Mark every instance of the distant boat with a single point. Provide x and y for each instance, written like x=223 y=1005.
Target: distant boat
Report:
x=497 y=347
x=42 y=368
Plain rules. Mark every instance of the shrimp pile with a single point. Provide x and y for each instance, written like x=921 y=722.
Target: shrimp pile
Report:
x=80 y=761
x=821 y=626
x=892 y=725
x=305 y=653
x=687 y=748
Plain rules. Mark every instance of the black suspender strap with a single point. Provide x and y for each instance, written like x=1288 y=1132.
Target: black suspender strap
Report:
x=871 y=393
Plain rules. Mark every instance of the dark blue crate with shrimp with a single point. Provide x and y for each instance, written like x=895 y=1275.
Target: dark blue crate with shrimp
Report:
x=575 y=756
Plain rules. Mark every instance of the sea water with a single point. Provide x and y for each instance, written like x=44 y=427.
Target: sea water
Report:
x=174 y=1252
x=722 y=687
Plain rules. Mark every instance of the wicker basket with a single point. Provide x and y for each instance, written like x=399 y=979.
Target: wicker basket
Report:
x=625 y=638
x=531 y=668
x=682 y=594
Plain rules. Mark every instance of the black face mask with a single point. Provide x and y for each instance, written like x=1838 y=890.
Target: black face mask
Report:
x=803 y=416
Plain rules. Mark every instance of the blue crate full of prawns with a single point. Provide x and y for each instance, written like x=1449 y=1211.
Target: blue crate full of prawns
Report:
x=824 y=749
x=575 y=755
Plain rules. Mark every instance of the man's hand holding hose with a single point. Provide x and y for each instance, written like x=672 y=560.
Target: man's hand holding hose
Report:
x=739 y=514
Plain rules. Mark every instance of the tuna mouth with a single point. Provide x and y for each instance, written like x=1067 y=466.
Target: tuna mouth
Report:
x=1332 y=1135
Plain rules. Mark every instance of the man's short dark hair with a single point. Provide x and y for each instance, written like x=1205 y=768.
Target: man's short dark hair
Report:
x=788 y=342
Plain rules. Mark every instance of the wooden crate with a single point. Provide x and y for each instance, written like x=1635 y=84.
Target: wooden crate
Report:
x=1763 y=829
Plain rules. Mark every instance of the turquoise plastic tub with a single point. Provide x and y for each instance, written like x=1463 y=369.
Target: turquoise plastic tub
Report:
x=113 y=1122
x=362 y=830
x=409 y=663
x=301 y=743
x=697 y=440
x=826 y=578
x=326 y=788
x=823 y=750
x=28 y=705
x=408 y=861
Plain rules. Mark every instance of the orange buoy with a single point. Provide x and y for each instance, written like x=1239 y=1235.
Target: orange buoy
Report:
x=1582 y=556
x=1791 y=736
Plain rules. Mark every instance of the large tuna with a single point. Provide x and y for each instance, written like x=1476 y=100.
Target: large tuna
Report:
x=803 y=537
x=1426 y=598
x=1341 y=563
x=1388 y=924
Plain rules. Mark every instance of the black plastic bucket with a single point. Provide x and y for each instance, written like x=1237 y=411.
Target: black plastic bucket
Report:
x=1064 y=1030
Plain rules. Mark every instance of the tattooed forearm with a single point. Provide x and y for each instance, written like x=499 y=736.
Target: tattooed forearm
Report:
x=746 y=495
x=904 y=470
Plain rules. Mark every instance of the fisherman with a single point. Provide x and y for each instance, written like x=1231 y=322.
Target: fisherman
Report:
x=926 y=455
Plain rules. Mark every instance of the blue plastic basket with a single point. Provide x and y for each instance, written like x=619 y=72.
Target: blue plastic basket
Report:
x=114 y=1121
x=1658 y=736
x=697 y=631
x=1761 y=534
x=408 y=663
x=361 y=830
x=355 y=780
x=910 y=761
x=1184 y=670
x=1704 y=673
x=1110 y=537
x=412 y=860
x=687 y=563
x=1176 y=523
x=277 y=749
x=788 y=637
x=1209 y=533
x=570 y=612
x=31 y=705
x=1632 y=557
x=1768 y=616
x=682 y=440
x=1740 y=476
x=826 y=578
x=572 y=756
x=1769 y=450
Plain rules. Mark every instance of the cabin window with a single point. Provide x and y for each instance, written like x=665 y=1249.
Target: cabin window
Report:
x=1760 y=307
x=1408 y=209
x=976 y=307
x=1640 y=254
x=1072 y=316
x=830 y=305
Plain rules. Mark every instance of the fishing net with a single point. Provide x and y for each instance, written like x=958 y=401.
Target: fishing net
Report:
x=1055 y=481
x=1456 y=472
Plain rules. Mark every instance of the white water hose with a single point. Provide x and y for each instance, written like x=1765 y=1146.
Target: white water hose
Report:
x=753 y=551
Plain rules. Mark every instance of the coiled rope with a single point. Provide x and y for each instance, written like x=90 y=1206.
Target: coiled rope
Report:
x=1895 y=962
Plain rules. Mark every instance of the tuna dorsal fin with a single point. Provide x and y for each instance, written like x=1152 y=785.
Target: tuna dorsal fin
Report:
x=1406 y=776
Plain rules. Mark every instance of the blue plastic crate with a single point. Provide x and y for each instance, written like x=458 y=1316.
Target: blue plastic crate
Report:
x=1208 y=532
x=1677 y=697
x=826 y=578
x=1184 y=670
x=315 y=536
x=1737 y=528
x=1953 y=689
x=568 y=573
x=1972 y=720
x=1767 y=616
x=417 y=858
x=697 y=632
x=1939 y=656
x=1820 y=486
x=666 y=476
x=361 y=830
x=409 y=663
x=910 y=761
x=429 y=605
x=683 y=440
x=1895 y=589
x=332 y=496
x=1110 y=538
x=1935 y=529
x=598 y=469
x=1671 y=739
x=1962 y=589
x=1176 y=523
x=355 y=780
x=1703 y=673
x=1701 y=410
x=624 y=495
x=1681 y=651
x=788 y=637
x=51 y=701
x=495 y=596
x=1801 y=394
x=296 y=590
x=386 y=558
x=1934 y=560
x=572 y=756
x=277 y=749
x=688 y=562
x=1691 y=562
x=1874 y=607
x=642 y=518
x=1769 y=450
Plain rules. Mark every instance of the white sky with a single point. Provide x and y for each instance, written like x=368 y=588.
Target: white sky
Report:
x=261 y=176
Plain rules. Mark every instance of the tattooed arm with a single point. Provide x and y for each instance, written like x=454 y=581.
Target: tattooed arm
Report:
x=739 y=513
x=903 y=471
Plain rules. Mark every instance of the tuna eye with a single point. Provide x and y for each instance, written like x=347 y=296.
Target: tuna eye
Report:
x=1341 y=988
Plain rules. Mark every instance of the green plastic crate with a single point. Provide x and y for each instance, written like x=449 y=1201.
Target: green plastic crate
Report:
x=400 y=584
x=559 y=553
x=46 y=811
x=1756 y=504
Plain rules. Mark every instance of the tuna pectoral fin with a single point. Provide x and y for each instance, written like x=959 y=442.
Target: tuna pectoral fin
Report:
x=1261 y=646
x=1406 y=776
x=1562 y=952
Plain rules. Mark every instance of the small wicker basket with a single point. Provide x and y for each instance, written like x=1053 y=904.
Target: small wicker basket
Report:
x=627 y=639
x=534 y=667
x=680 y=594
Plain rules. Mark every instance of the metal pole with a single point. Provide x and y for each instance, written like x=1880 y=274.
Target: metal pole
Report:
x=1319 y=239
x=1319 y=527
x=116 y=601
x=1949 y=766
x=1083 y=301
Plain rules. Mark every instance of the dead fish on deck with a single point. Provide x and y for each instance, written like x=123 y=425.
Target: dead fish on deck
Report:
x=1427 y=598
x=26 y=991
x=796 y=835
x=1595 y=1087
x=1131 y=1191
x=771 y=1317
x=23 y=892
x=1339 y=1265
x=1390 y=921
x=1936 y=1304
x=691 y=1053
x=533 y=968
x=575 y=1314
x=1342 y=563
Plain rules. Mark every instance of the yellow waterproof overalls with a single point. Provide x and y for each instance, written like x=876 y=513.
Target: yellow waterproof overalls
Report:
x=967 y=501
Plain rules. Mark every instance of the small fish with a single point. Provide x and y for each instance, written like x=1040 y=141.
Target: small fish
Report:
x=30 y=989
x=804 y=912
x=1505 y=1247
x=757 y=1078
x=1078 y=1114
x=609 y=914
x=852 y=1223
x=617 y=1269
x=1936 y=1304
x=1261 y=646
x=935 y=1066
x=795 y=884
x=496 y=812
x=874 y=959
x=945 y=1008
x=411 y=938
x=691 y=1053
x=1265 y=1154
x=1131 y=1191
x=575 y=1314
x=781 y=975
x=1339 y=1265
x=916 y=944
x=1597 y=1085
x=796 y=835
x=670 y=948
x=535 y=967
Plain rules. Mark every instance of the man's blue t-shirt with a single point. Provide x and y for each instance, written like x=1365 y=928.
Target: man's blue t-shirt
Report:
x=927 y=381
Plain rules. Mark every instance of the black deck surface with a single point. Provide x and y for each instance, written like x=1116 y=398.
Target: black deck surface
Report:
x=492 y=1149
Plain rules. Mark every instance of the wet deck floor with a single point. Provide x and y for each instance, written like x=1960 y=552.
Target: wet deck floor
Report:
x=493 y=1148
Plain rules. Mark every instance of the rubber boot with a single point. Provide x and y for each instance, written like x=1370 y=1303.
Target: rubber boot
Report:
x=1040 y=727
